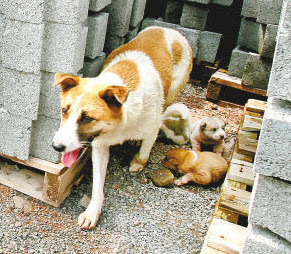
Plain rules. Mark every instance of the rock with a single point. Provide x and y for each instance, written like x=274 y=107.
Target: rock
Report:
x=23 y=204
x=162 y=178
x=85 y=200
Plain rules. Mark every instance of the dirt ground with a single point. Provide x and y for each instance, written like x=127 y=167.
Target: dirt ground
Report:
x=137 y=217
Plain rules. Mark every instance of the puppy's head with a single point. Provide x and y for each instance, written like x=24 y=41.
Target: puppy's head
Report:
x=213 y=128
x=174 y=158
x=88 y=109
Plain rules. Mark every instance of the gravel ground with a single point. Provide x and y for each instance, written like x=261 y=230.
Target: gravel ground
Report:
x=137 y=216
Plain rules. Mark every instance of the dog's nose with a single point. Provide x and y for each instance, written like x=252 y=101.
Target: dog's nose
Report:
x=221 y=136
x=59 y=147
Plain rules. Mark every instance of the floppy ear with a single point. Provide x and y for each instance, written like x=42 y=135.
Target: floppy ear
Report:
x=203 y=126
x=114 y=96
x=66 y=81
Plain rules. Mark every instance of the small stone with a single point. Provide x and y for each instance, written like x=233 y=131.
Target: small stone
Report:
x=162 y=178
x=214 y=107
x=85 y=200
x=23 y=204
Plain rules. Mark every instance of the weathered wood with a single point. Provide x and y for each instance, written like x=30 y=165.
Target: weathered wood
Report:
x=246 y=144
x=213 y=91
x=241 y=171
x=256 y=106
x=249 y=134
x=229 y=104
x=225 y=236
x=235 y=200
x=251 y=123
x=53 y=168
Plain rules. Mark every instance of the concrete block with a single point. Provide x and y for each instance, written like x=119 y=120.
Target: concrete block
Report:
x=269 y=11
x=112 y=42
x=251 y=35
x=22 y=46
x=173 y=11
x=270 y=205
x=250 y=8
x=15 y=138
x=132 y=34
x=97 y=25
x=208 y=46
x=119 y=17
x=1 y=85
x=24 y=10
x=257 y=72
x=49 y=103
x=273 y=152
x=269 y=44
x=42 y=134
x=223 y=2
x=192 y=35
x=3 y=22
x=237 y=62
x=194 y=16
x=21 y=93
x=285 y=19
x=64 y=48
x=92 y=68
x=66 y=11
x=137 y=13
x=279 y=85
x=98 y=5
x=261 y=241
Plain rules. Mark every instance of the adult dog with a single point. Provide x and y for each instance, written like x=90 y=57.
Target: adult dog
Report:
x=125 y=102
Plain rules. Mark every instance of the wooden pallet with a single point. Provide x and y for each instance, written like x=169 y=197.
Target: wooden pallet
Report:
x=220 y=80
x=43 y=180
x=233 y=204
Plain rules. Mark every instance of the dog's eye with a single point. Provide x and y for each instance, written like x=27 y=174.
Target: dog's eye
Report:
x=214 y=129
x=64 y=111
x=86 y=119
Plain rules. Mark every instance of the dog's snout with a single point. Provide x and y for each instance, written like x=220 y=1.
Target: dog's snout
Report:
x=59 y=147
x=221 y=136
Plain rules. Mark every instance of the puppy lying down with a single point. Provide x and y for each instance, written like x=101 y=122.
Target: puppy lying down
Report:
x=199 y=167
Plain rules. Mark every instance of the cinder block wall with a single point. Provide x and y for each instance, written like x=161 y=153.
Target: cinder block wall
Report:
x=269 y=229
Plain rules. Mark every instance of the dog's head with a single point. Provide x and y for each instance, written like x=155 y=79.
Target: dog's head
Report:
x=174 y=158
x=88 y=109
x=213 y=128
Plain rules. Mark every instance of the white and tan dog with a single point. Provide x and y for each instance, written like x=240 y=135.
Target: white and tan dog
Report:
x=125 y=102
x=208 y=131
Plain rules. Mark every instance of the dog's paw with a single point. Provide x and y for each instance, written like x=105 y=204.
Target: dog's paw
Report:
x=178 y=182
x=135 y=167
x=89 y=218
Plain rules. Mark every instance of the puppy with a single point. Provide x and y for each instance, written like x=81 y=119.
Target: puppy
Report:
x=208 y=131
x=199 y=167
x=177 y=123
x=125 y=102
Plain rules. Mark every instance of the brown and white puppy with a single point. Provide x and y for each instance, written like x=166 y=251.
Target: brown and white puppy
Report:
x=125 y=102
x=208 y=131
x=199 y=167
x=177 y=123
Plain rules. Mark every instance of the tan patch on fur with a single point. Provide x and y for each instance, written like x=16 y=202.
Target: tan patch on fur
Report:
x=126 y=70
x=177 y=51
x=153 y=43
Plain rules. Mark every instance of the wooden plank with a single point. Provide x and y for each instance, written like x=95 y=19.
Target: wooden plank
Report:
x=248 y=134
x=240 y=171
x=235 y=184
x=223 y=214
x=251 y=123
x=235 y=200
x=256 y=106
x=46 y=166
x=225 y=236
x=234 y=82
x=244 y=157
x=229 y=104
x=246 y=144
x=213 y=91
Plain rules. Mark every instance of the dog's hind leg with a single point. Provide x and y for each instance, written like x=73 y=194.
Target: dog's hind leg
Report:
x=196 y=177
x=139 y=160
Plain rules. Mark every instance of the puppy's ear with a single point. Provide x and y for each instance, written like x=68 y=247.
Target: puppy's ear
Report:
x=66 y=81
x=114 y=96
x=203 y=126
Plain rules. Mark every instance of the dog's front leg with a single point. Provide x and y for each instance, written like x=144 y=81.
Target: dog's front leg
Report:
x=219 y=148
x=100 y=157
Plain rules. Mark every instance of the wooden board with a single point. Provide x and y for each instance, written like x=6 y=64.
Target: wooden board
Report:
x=251 y=123
x=223 y=237
x=246 y=144
x=256 y=106
x=235 y=200
x=241 y=171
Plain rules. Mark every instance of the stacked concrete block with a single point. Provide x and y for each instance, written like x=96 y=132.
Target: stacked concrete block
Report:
x=137 y=13
x=173 y=11
x=269 y=229
x=98 y=5
x=93 y=67
x=257 y=35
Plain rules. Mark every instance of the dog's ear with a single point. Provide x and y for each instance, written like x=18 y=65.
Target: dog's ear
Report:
x=66 y=81
x=114 y=96
x=203 y=126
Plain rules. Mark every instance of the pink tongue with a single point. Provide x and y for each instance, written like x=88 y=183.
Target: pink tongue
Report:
x=68 y=159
